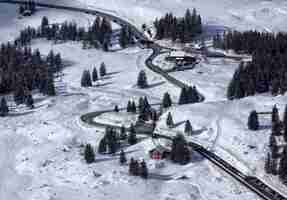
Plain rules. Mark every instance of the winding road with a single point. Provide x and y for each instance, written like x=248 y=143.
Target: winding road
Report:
x=253 y=183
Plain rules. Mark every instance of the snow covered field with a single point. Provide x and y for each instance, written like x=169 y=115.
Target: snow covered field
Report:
x=40 y=151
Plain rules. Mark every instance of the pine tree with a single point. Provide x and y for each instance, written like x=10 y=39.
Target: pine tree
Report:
x=283 y=167
x=275 y=115
x=166 y=102
x=112 y=140
x=123 y=159
x=132 y=166
x=142 y=80
x=136 y=171
x=179 y=150
x=133 y=107
x=21 y=9
x=188 y=128
x=143 y=170
x=132 y=138
x=58 y=62
x=253 y=123
x=103 y=70
x=268 y=166
x=124 y=40
x=169 y=120
x=129 y=106
x=116 y=109
x=29 y=101
x=285 y=123
x=19 y=95
x=89 y=154
x=50 y=87
x=103 y=146
x=95 y=74
x=123 y=133
x=86 y=79
x=141 y=105
x=183 y=98
x=4 y=110
x=44 y=26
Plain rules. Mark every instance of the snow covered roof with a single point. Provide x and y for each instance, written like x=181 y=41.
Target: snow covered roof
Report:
x=280 y=141
x=177 y=54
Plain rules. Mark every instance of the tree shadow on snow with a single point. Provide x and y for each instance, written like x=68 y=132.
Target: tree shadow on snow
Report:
x=102 y=84
x=196 y=157
x=113 y=73
x=155 y=85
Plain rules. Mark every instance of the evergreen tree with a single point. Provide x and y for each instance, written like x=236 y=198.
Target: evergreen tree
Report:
x=19 y=95
x=268 y=166
x=116 y=109
x=124 y=40
x=166 y=102
x=103 y=146
x=188 y=128
x=132 y=166
x=283 y=167
x=142 y=80
x=50 y=87
x=86 y=79
x=136 y=171
x=44 y=26
x=179 y=150
x=143 y=170
x=169 y=120
x=89 y=154
x=132 y=138
x=253 y=123
x=285 y=123
x=275 y=115
x=103 y=71
x=129 y=106
x=3 y=108
x=133 y=107
x=30 y=101
x=141 y=105
x=123 y=133
x=123 y=158
x=112 y=140
x=58 y=62
x=95 y=74
x=183 y=98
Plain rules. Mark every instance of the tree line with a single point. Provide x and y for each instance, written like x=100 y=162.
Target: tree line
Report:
x=266 y=72
x=23 y=70
x=28 y=8
x=98 y=35
x=184 y=29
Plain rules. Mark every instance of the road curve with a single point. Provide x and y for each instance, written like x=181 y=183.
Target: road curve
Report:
x=252 y=183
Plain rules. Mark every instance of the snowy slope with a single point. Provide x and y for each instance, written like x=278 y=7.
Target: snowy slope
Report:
x=244 y=14
x=40 y=151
